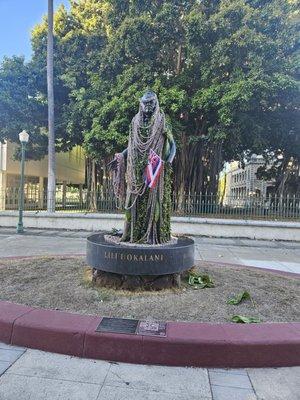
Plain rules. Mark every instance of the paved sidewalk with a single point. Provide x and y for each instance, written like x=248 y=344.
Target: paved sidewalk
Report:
x=36 y=375
x=283 y=256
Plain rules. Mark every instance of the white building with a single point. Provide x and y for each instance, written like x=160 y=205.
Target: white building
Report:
x=242 y=183
x=70 y=169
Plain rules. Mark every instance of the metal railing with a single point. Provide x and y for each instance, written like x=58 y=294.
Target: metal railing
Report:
x=202 y=204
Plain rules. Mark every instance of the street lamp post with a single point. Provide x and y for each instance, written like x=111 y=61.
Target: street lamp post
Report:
x=24 y=137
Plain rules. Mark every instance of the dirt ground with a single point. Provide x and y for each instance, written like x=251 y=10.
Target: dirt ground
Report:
x=64 y=284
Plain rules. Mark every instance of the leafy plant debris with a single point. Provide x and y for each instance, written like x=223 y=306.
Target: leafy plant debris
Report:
x=241 y=319
x=239 y=298
x=200 y=281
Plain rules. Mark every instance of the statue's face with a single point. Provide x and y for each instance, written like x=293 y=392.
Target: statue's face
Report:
x=149 y=106
x=148 y=103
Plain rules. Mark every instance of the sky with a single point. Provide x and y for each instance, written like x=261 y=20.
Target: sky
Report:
x=17 y=18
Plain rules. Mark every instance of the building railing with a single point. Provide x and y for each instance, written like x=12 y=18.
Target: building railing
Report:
x=202 y=204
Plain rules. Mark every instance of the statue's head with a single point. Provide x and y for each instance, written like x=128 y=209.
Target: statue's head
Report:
x=149 y=103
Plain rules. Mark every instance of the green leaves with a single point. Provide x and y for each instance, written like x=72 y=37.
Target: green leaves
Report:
x=200 y=281
x=239 y=298
x=241 y=319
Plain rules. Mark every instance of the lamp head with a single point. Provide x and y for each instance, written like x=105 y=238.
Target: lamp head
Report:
x=24 y=137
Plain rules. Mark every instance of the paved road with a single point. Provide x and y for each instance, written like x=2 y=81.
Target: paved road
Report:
x=35 y=375
x=267 y=254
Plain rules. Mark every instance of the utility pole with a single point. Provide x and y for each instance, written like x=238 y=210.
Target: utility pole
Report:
x=51 y=134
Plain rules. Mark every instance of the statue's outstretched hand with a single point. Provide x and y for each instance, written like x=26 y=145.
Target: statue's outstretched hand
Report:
x=113 y=164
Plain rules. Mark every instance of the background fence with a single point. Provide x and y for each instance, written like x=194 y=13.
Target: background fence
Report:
x=201 y=204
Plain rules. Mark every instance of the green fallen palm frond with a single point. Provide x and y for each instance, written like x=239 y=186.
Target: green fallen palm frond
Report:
x=200 y=281
x=244 y=320
x=239 y=297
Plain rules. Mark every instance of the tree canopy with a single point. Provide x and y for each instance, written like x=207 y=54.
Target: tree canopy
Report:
x=225 y=73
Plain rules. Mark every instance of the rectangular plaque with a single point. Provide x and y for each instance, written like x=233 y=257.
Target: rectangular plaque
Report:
x=152 y=328
x=118 y=325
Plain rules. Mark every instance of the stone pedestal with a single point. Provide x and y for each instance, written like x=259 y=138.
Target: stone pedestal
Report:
x=138 y=267
x=135 y=282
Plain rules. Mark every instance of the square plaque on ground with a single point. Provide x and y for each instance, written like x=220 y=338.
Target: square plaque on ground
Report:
x=152 y=328
x=118 y=325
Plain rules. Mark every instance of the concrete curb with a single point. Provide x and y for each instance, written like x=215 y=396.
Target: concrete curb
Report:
x=186 y=344
x=230 y=228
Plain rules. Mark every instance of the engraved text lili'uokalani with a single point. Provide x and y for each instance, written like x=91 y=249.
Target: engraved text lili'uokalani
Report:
x=110 y=255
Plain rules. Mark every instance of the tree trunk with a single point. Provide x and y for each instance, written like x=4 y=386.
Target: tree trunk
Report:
x=179 y=57
x=194 y=163
x=180 y=168
x=91 y=184
x=94 y=186
x=283 y=178
x=215 y=161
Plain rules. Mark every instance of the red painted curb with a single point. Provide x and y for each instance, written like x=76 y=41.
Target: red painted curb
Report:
x=50 y=330
x=186 y=344
x=9 y=313
x=113 y=346
x=226 y=345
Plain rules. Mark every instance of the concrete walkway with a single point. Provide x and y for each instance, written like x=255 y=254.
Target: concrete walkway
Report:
x=284 y=256
x=35 y=375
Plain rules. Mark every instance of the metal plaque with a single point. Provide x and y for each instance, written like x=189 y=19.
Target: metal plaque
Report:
x=118 y=325
x=152 y=328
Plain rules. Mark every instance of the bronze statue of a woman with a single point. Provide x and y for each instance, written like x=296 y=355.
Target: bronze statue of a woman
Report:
x=145 y=169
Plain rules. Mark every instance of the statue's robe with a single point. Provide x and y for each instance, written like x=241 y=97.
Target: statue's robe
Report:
x=148 y=221
x=147 y=210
